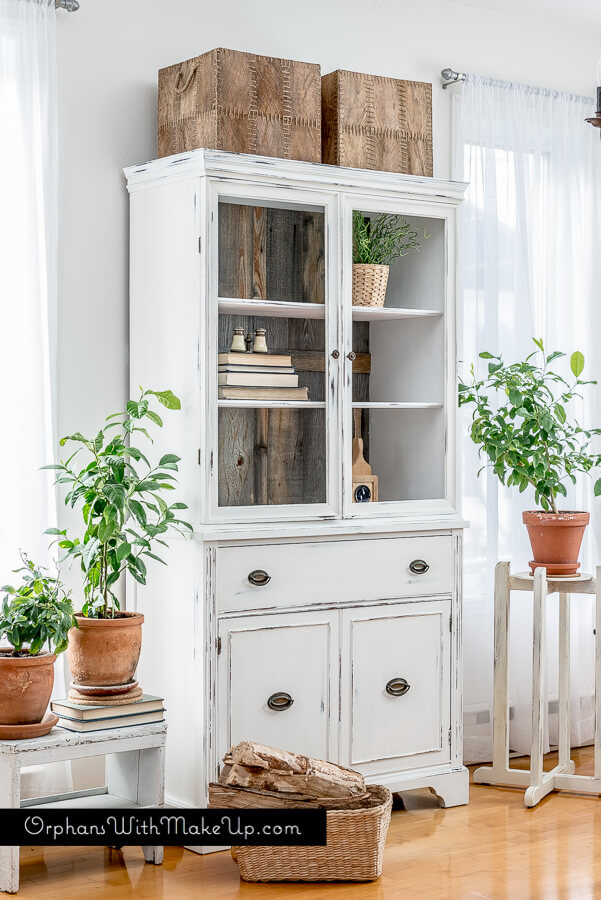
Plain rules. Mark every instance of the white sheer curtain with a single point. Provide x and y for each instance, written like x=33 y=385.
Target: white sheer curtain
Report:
x=28 y=248
x=528 y=265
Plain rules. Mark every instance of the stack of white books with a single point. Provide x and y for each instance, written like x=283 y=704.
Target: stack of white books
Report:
x=258 y=376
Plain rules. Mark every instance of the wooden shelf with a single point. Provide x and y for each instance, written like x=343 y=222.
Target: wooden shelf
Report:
x=388 y=313
x=277 y=308
x=367 y=404
x=272 y=404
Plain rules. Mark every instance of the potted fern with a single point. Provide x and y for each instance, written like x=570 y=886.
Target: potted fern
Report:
x=125 y=515
x=35 y=619
x=521 y=424
x=377 y=242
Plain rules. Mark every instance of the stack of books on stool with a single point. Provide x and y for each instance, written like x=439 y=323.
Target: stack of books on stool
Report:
x=258 y=376
x=93 y=708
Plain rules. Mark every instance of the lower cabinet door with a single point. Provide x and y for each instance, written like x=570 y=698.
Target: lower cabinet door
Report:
x=278 y=682
x=396 y=691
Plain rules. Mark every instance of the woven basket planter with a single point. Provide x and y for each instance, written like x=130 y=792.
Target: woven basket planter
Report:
x=354 y=851
x=369 y=284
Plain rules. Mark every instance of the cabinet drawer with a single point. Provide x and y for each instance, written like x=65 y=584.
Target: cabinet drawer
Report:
x=333 y=571
x=278 y=682
x=396 y=694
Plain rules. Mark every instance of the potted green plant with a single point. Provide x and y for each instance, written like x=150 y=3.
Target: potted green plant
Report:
x=521 y=424
x=377 y=242
x=35 y=619
x=121 y=496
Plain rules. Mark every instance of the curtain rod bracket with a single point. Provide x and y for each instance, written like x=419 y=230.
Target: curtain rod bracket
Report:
x=69 y=5
x=449 y=76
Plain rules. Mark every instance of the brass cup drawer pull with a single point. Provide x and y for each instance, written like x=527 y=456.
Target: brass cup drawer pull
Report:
x=396 y=687
x=280 y=701
x=259 y=577
x=418 y=566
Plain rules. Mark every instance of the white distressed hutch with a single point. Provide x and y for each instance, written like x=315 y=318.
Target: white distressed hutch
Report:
x=295 y=616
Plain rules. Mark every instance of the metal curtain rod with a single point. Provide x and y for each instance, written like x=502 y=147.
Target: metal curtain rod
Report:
x=69 y=5
x=450 y=76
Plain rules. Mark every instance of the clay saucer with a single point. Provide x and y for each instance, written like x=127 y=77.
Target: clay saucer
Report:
x=37 y=729
x=106 y=690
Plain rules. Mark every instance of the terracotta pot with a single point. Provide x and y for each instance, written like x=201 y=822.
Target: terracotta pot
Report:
x=25 y=687
x=105 y=651
x=556 y=539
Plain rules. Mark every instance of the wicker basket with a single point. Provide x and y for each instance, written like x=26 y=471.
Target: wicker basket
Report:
x=369 y=284
x=354 y=851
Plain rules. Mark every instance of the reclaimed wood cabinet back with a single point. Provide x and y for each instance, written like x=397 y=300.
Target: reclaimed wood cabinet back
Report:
x=273 y=456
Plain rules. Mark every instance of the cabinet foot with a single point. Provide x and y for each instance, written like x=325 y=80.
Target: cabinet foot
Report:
x=153 y=854
x=452 y=789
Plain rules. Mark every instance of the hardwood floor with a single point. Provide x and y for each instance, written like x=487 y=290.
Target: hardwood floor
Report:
x=493 y=848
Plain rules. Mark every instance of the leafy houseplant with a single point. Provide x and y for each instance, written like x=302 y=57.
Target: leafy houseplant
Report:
x=377 y=242
x=521 y=424
x=122 y=499
x=35 y=619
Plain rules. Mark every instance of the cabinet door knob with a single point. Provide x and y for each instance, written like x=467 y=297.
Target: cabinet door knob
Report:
x=259 y=577
x=396 y=687
x=335 y=354
x=280 y=701
x=352 y=355
x=418 y=566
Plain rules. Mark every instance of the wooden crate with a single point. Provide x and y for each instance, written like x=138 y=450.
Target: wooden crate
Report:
x=371 y=122
x=229 y=100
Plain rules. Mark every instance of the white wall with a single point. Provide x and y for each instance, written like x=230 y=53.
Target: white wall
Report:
x=109 y=53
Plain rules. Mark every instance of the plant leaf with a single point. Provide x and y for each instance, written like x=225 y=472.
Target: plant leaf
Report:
x=577 y=363
x=169 y=458
x=167 y=398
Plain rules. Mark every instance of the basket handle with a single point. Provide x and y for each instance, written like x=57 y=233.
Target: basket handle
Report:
x=181 y=87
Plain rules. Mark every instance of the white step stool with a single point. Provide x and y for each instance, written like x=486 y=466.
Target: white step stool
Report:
x=135 y=777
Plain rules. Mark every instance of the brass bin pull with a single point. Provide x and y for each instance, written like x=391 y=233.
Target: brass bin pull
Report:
x=259 y=577
x=396 y=687
x=280 y=701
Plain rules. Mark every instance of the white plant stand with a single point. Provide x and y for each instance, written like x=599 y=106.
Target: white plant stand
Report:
x=537 y=782
x=135 y=776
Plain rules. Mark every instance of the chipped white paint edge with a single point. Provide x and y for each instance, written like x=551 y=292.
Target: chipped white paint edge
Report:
x=339 y=527
x=564 y=683
x=247 y=167
x=10 y=798
x=456 y=628
x=60 y=743
x=135 y=773
x=500 y=702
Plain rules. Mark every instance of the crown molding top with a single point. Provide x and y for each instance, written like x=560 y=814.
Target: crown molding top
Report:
x=243 y=166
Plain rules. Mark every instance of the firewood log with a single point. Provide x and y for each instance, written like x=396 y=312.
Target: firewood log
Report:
x=221 y=796
x=258 y=767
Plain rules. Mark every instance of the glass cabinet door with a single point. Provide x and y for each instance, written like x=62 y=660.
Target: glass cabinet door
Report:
x=273 y=335
x=397 y=414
